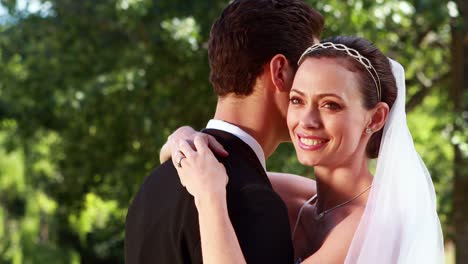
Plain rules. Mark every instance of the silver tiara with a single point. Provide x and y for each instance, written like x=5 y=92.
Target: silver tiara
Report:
x=351 y=52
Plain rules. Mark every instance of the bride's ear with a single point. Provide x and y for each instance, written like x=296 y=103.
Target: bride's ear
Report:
x=379 y=116
x=281 y=72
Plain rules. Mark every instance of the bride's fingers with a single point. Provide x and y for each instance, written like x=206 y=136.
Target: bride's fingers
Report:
x=201 y=144
x=216 y=147
x=177 y=159
x=178 y=162
x=182 y=133
x=165 y=153
x=175 y=152
x=186 y=149
x=180 y=151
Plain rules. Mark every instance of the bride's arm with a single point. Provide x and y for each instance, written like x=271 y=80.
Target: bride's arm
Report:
x=218 y=240
x=205 y=178
x=294 y=190
x=285 y=184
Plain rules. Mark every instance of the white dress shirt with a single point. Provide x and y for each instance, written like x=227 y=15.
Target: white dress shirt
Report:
x=244 y=136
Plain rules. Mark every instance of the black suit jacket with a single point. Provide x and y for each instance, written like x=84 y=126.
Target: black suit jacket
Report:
x=162 y=221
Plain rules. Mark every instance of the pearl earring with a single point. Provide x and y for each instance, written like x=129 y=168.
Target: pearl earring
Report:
x=368 y=130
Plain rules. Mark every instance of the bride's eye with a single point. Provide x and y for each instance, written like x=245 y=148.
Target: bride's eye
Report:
x=332 y=106
x=294 y=100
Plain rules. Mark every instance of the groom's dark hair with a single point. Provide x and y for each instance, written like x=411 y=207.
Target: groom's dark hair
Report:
x=248 y=33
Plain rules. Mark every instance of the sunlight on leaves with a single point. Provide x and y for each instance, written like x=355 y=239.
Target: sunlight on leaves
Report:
x=95 y=214
x=453 y=9
x=185 y=29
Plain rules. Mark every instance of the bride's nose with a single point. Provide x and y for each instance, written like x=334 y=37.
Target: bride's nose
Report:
x=310 y=119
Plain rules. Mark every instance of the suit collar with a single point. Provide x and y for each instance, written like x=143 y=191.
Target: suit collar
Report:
x=242 y=135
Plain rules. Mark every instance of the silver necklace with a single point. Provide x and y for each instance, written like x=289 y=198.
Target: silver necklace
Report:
x=322 y=214
x=317 y=217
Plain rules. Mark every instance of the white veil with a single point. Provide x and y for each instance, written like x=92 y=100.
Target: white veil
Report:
x=400 y=222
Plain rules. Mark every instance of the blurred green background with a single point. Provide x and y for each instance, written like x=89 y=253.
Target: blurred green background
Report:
x=89 y=91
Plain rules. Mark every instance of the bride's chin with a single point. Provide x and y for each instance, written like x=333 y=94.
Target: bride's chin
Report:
x=307 y=161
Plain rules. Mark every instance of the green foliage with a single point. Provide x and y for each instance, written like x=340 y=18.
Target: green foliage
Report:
x=90 y=90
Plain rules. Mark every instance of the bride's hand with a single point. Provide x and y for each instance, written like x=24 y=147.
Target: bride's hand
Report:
x=199 y=170
x=187 y=133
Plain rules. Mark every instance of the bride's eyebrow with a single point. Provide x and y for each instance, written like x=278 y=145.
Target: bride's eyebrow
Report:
x=319 y=96
x=296 y=91
x=329 y=95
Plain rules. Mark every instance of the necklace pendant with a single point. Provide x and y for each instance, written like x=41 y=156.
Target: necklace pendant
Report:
x=319 y=216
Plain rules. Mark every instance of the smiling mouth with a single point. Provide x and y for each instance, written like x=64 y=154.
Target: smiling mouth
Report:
x=311 y=142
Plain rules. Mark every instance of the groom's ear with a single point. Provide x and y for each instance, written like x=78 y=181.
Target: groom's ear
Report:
x=281 y=72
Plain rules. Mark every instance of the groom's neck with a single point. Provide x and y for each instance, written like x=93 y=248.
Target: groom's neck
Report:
x=253 y=117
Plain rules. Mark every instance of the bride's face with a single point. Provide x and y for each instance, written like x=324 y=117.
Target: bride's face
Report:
x=326 y=117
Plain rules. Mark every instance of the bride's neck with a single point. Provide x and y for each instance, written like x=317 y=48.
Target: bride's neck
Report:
x=339 y=184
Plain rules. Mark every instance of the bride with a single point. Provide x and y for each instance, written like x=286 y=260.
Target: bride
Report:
x=347 y=106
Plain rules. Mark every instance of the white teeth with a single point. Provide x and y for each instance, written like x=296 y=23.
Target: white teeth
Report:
x=311 y=142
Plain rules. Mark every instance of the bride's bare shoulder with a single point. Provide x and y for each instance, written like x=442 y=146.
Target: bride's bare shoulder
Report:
x=292 y=185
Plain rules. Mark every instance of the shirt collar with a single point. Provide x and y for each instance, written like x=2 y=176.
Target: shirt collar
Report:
x=244 y=136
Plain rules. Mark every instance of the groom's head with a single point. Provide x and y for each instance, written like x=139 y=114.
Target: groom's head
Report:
x=250 y=33
x=253 y=52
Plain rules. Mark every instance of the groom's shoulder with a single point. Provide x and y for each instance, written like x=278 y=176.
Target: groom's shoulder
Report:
x=160 y=211
x=155 y=175
x=159 y=191
x=160 y=181
x=159 y=195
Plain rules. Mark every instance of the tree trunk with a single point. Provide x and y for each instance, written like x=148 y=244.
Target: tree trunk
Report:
x=459 y=91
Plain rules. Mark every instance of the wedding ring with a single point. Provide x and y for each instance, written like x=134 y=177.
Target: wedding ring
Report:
x=180 y=160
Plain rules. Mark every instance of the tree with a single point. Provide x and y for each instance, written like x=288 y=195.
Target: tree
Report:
x=460 y=132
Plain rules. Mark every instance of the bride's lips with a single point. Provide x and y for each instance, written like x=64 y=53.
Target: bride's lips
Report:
x=310 y=143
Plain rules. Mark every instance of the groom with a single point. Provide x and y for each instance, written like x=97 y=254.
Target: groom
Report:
x=253 y=51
